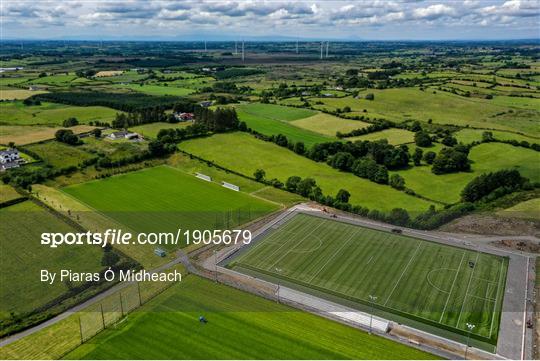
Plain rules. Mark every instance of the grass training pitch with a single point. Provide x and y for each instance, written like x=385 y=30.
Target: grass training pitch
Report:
x=245 y=154
x=168 y=328
x=163 y=199
x=431 y=283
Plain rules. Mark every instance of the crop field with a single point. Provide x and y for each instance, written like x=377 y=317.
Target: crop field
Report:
x=16 y=113
x=427 y=282
x=485 y=158
x=151 y=130
x=15 y=94
x=168 y=328
x=394 y=136
x=328 y=124
x=163 y=199
x=245 y=154
x=23 y=134
x=442 y=107
x=59 y=154
x=23 y=257
x=269 y=126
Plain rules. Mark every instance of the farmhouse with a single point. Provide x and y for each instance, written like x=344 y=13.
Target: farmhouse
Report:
x=184 y=117
x=10 y=158
x=123 y=134
x=36 y=87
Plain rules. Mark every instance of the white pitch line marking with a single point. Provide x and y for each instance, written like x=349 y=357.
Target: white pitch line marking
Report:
x=402 y=273
x=452 y=288
x=333 y=255
x=467 y=290
x=289 y=251
x=496 y=299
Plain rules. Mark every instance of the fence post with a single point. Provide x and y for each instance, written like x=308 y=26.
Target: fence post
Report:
x=139 y=292
x=102 y=316
x=80 y=330
x=121 y=305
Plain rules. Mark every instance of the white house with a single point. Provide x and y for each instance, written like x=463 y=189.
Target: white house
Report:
x=10 y=158
x=123 y=134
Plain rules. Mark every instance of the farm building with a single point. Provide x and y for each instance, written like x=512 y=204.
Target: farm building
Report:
x=184 y=117
x=206 y=104
x=10 y=158
x=124 y=134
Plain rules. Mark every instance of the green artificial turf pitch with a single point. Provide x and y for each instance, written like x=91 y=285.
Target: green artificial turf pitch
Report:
x=164 y=199
x=421 y=280
x=240 y=326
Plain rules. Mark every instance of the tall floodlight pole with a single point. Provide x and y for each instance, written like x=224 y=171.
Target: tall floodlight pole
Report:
x=470 y=327
x=327 y=45
x=215 y=266
x=372 y=299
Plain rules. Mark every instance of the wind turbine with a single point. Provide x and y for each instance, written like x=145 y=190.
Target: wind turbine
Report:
x=235 y=47
x=296 y=46
x=205 y=46
x=243 y=54
x=327 y=46
x=322 y=49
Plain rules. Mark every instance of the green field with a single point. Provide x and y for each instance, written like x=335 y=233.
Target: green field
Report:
x=467 y=136
x=158 y=89
x=151 y=130
x=270 y=119
x=8 y=193
x=163 y=199
x=245 y=154
x=425 y=281
x=59 y=154
x=168 y=328
x=276 y=112
x=16 y=113
x=443 y=108
x=528 y=210
x=23 y=257
x=328 y=124
x=394 y=136
x=486 y=157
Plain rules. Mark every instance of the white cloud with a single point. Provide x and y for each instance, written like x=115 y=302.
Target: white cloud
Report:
x=290 y=17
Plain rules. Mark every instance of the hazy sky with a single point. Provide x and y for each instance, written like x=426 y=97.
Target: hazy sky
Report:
x=194 y=20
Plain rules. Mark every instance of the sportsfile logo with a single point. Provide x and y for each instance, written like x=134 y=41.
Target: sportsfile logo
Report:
x=119 y=237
